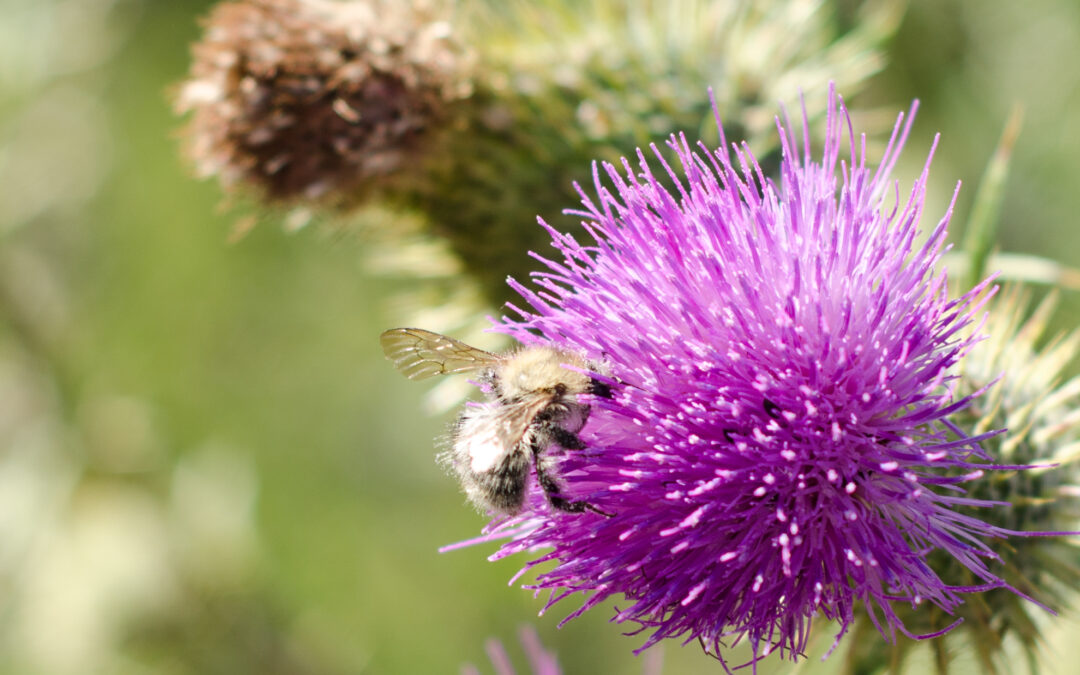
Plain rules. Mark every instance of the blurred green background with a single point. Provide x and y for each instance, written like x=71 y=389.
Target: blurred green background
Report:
x=205 y=464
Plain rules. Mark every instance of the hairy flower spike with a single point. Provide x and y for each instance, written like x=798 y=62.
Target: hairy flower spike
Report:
x=313 y=99
x=780 y=442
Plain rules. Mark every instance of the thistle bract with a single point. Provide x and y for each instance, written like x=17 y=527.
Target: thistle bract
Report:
x=778 y=444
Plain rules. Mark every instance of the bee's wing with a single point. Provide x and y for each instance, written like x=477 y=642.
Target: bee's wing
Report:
x=513 y=419
x=420 y=354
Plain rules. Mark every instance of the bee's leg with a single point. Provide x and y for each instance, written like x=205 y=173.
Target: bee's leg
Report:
x=563 y=437
x=570 y=441
x=598 y=388
x=552 y=490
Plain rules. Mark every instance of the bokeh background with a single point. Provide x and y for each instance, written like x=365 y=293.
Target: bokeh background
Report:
x=206 y=466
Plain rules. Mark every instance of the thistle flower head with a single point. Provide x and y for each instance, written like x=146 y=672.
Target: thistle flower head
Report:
x=778 y=445
x=307 y=98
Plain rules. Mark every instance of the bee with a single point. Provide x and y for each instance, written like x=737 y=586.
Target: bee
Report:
x=533 y=403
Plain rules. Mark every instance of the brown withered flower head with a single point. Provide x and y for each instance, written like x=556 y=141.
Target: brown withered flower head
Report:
x=316 y=100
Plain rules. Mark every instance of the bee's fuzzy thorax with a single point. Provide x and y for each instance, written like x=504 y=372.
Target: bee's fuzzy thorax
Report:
x=542 y=369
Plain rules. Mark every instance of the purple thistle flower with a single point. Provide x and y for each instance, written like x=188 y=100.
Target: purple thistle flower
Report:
x=778 y=443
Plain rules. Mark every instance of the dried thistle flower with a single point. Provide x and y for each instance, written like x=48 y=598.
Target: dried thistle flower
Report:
x=783 y=442
x=318 y=100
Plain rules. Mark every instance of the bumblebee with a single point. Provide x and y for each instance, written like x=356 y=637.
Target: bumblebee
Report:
x=533 y=403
